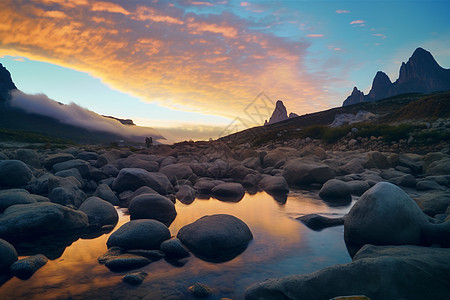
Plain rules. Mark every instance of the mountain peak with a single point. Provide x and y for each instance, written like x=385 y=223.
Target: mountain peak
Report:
x=356 y=97
x=279 y=114
x=420 y=74
x=6 y=84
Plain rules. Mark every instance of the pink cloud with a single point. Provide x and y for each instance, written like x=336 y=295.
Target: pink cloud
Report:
x=357 y=22
x=201 y=3
x=245 y=3
x=379 y=35
x=315 y=35
x=341 y=11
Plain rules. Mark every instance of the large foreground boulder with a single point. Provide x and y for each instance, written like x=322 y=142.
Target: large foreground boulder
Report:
x=14 y=173
x=134 y=178
x=152 y=206
x=384 y=215
x=40 y=219
x=216 y=238
x=177 y=171
x=379 y=272
x=140 y=234
x=298 y=172
x=26 y=267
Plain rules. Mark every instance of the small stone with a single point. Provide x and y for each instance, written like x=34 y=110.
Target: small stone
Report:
x=200 y=290
x=134 y=278
x=25 y=268
x=127 y=262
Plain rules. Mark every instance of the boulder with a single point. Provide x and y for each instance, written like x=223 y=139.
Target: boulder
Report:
x=252 y=163
x=297 y=172
x=279 y=156
x=134 y=178
x=151 y=206
x=8 y=255
x=318 y=222
x=14 y=196
x=274 y=184
x=216 y=238
x=406 y=180
x=39 y=185
x=204 y=186
x=219 y=169
x=110 y=170
x=424 y=185
x=134 y=278
x=252 y=180
x=238 y=173
x=316 y=151
x=228 y=191
x=70 y=172
x=56 y=158
x=125 y=262
x=433 y=203
x=65 y=191
x=26 y=267
x=81 y=165
x=200 y=290
x=174 y=249
x=99 y=212
x=354 y=166
x=373 y=266
x=104 y=192
x=335 y=190
x=134 y=161
x=87 y=155
x=439 y=167
x=97 y=175
x=408 y=162
x=358 y=187
x=186 y=194
x=376 y=160
x=29 y=156
x=40 y=219
x=384 y=215
x=139 y=234
x=177 y=171
x=14 y=174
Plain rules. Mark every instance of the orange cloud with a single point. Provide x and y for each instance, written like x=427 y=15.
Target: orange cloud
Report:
x=214 y=64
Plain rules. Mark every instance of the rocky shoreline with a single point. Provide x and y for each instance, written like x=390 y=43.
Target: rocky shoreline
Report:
x=401 y=218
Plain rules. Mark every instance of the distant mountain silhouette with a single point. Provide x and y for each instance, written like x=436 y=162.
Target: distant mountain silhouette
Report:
x=421 y=74
x=6 y=84
x=279 y=114
x=17 y=118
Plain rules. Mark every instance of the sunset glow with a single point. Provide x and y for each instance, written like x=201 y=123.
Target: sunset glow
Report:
x=213 y=58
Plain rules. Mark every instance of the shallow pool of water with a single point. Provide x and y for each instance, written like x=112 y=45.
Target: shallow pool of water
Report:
x=281 y=246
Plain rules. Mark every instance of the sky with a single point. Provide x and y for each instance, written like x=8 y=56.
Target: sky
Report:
x=202 y=69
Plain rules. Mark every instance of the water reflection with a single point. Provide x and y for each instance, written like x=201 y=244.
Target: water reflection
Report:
x=281 y=246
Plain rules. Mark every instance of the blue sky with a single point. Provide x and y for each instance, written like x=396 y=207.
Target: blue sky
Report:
x=191 y=67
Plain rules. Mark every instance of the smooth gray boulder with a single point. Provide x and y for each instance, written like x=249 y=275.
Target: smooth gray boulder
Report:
x=298 y=172
x=384 y=215
x=336 y=191
x=14 y=196
x=174 y=249
x=65 y=191
x=99 y=212
x=274 y=184
x=376 y=160
x=186 y=194
x=53 y=159
x=81 y=165
x=204 y=187
x=70 y=172
x=405 y=272
x=40 y=219
x=14 y=174
x=152 y=206
x=134 y=178
x=216 y=238
x=26 y=267
x=177 y=171
x=125 y=262
x=134 y=161
x=425 y=185
x=433 y=203
x=318 y=222
x=358 y=187
x=139 y=234
x=87 y=155
x=439 y=167
x=228 y=191
x=8 y=255
x=28 y=156
x=104 y=192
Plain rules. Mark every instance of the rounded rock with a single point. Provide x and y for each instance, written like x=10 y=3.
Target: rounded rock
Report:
x=99 y=212
x=152 y=206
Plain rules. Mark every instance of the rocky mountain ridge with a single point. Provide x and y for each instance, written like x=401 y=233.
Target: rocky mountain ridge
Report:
x=421 y=74
x=280 y=114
